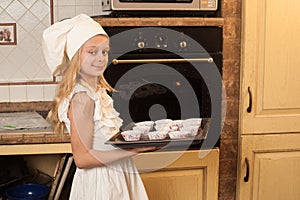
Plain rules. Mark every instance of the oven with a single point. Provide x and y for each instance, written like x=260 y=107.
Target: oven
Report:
x=165 y=72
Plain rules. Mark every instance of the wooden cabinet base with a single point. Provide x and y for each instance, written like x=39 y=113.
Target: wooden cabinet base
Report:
x=180 y=175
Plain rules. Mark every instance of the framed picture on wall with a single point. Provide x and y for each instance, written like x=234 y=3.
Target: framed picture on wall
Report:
x=8 y=34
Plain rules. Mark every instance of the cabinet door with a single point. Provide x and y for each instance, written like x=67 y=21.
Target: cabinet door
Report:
x=273 y=169
x=187 y=176
x=270 y=72
x=175 y=184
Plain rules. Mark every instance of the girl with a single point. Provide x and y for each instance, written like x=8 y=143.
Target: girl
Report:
x=78 y=49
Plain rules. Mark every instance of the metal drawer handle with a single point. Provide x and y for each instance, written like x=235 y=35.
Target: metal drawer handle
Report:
x=246 y=178
x=249 y=109
x=140 y=61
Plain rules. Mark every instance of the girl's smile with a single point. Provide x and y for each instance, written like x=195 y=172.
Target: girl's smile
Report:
x=94 y=56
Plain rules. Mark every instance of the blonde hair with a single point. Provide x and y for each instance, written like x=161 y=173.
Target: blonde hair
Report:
x=70 y=72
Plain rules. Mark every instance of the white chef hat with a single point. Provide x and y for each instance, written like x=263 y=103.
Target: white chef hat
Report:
x=69 y=35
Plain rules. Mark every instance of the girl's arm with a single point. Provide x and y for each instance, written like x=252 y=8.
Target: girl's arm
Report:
x=81 y=114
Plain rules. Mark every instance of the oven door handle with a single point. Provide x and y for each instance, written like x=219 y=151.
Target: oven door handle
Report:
x=172 y=60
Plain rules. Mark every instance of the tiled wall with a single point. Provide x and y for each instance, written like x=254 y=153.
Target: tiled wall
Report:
x=68 y=8
x=24 y=62
x=27 y=92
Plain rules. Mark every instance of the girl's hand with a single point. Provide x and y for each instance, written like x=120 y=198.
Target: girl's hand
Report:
x=142 y=149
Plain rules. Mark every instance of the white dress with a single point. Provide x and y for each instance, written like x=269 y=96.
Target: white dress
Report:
x=116 y=181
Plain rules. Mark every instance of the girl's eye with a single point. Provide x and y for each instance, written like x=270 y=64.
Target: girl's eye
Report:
x=105 y=52
x=93 y=52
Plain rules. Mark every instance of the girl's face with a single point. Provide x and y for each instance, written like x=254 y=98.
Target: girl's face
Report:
x=94 y=56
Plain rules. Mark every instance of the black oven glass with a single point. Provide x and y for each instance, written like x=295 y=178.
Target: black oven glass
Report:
x=141 y=97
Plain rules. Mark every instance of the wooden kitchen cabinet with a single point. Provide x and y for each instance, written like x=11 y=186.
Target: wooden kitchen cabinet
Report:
x=269 y=124
x=180 y=175
x=270 y=72
x=273 y=169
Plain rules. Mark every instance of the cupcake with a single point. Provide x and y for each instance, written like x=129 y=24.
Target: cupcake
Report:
x=144 y=130
x=193 y=130
x=145 y=123
x=192 y=122
x=163 y=121
x=162 y=124
x=178 y=134
x=131 y=135
x=177 y=122
x=157 y=135
x=167 y=128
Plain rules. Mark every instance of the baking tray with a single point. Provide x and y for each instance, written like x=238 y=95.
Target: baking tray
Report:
x=118 y=141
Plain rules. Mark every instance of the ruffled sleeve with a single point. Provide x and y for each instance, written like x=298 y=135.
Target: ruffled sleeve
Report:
x=63 y=107
x=63 y=112
x=104 y=115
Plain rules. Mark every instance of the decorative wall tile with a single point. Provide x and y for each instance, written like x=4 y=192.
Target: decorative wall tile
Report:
x=64 y=12
x=35 y=92
x=2 y=58
x=5 y=3
x=15 y=56
x=6 y=70
x=65 y=2
x=6 y=50
x=40 y=9
x=84 y=9
x=5 y=17
x=30 y=68
x=16 y=10
x=28 y=3
x=18 y=93
x=18 y=76
x=84 y=2
x=28 y=22
x=49 y=91
x=4 y=91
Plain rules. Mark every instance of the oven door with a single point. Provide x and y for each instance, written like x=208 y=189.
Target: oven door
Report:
x=154 y=86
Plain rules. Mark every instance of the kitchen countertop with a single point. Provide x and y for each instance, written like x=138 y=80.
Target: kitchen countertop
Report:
x=32 y=137
x=28 y=127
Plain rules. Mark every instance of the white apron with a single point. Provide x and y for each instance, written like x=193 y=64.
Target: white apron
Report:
x=117 y=181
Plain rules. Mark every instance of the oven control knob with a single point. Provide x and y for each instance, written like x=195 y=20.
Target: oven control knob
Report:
x=141 y=45
x=183 y=44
